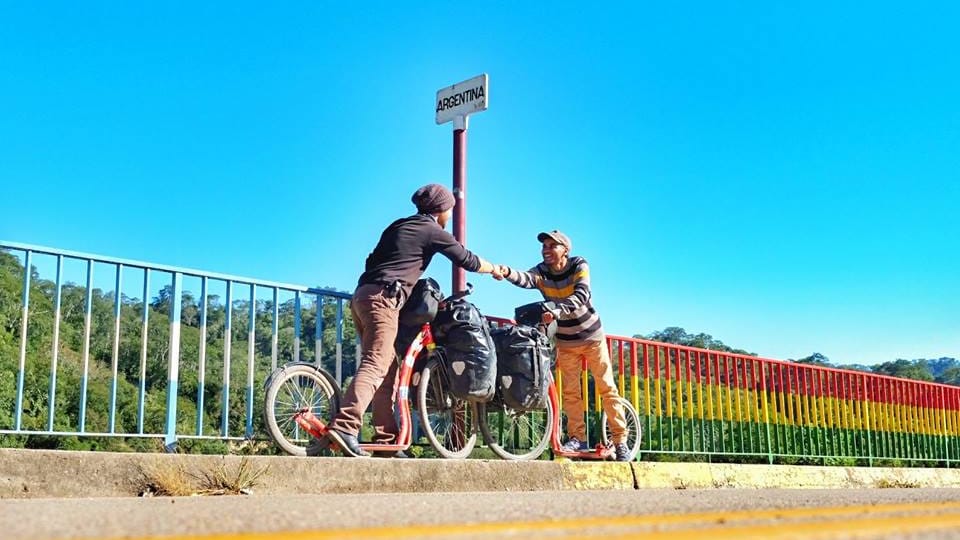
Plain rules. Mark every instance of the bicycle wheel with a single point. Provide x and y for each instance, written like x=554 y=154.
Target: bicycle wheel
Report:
x=294 y=388
x=447 y=421
x=634 y=431
x=515 y=435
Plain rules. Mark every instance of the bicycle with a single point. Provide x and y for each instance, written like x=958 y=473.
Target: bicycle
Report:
x=302 y=398
x=522 y=435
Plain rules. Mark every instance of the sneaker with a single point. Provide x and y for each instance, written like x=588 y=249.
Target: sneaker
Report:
x=574 y=444
x=348 y=443
x=623 y=452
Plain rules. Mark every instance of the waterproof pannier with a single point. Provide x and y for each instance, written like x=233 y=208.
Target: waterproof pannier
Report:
x=422 y=305
x=420 y=308
x=523 y=366
x=532 y=315
x=471 y=358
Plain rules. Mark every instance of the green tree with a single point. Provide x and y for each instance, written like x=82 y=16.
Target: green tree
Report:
x=679 y=336
x=917 y=369
x=815 y=359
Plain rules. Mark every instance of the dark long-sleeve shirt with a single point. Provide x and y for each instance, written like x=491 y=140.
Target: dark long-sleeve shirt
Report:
x=569 y=289
x=406 y=248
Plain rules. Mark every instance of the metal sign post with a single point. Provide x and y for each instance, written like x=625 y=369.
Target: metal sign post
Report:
x=456 y=103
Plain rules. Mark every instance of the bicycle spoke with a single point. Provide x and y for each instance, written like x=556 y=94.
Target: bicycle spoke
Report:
x=302 y=388
x=446 y=419
x=515 y=435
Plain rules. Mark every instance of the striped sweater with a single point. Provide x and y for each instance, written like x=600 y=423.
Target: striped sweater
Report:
x=570 y=290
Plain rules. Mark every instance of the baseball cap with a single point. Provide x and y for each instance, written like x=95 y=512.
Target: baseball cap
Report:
x=557 y=237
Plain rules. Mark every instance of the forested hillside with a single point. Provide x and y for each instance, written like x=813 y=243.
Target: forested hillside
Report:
x=153 y=378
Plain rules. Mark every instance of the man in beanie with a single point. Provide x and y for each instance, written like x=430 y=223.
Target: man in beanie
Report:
x=565 y=280
x=405 y=250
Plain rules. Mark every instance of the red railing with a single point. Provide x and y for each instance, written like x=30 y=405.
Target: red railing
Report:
x=704 y=401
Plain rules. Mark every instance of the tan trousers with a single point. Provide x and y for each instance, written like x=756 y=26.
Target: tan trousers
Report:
x=598 y=363
x=375 y=317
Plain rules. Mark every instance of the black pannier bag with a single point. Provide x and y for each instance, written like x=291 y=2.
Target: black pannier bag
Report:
x=420 y=308
x=422 y=305
x=532 y=315
x=523 y=366
x=471 y=358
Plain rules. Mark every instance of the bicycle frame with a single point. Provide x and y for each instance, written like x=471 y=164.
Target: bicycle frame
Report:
x=602 y=450
x=424 y=340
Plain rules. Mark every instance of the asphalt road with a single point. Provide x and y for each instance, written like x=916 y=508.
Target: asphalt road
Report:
x=674 y=514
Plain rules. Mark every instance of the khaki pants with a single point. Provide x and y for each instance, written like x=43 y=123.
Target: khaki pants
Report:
x=598 y=363
x=375 y=317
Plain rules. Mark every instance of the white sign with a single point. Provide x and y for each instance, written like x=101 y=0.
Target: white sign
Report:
x=462 y=99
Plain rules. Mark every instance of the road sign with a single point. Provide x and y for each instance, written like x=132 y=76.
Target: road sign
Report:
x=457 y=103
x=462 y=99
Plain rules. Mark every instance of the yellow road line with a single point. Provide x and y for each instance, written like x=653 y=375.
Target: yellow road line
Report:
x=715 y=522
x=820 y=530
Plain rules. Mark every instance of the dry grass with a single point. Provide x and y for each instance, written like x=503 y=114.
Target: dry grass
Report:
x=173 y=480
x=220 y=481
x=165 y=480
x=897 y=483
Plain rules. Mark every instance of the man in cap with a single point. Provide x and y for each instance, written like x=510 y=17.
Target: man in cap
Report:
x=565 y=280
x=404 y=251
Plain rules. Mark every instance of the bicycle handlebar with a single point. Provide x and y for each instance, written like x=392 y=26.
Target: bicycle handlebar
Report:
x=460 y=294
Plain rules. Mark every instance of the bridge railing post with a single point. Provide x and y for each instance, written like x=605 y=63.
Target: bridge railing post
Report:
x=339 y=350
x=144 y=341
x=318 y=332
x=87 y=321
x=868 y=397
x=202 y=356
x=764 y=366
x=115 y=351
x=251 y=358
x=25 y=313
x=274 y=339
x=227 y=359
x=52 y=389
x=173 y=368
x=296 y=326
x=942 y=423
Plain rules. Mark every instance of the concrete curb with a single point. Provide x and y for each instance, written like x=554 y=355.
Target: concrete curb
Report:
x=61 y=474
x=704 y=475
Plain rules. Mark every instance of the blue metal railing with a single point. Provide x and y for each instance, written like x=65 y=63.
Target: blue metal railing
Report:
x=170 y=434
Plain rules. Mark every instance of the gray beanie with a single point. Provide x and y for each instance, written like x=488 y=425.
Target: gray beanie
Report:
x=433 y=199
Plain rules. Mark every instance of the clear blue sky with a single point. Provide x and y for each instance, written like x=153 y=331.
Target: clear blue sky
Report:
x=784 y=178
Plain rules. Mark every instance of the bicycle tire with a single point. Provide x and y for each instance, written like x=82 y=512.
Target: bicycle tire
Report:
x=292 y=388
x=634 y=430
x=519 y=435
x=438 y=415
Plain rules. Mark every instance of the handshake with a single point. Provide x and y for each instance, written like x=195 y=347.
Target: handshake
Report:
x=500 y=271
